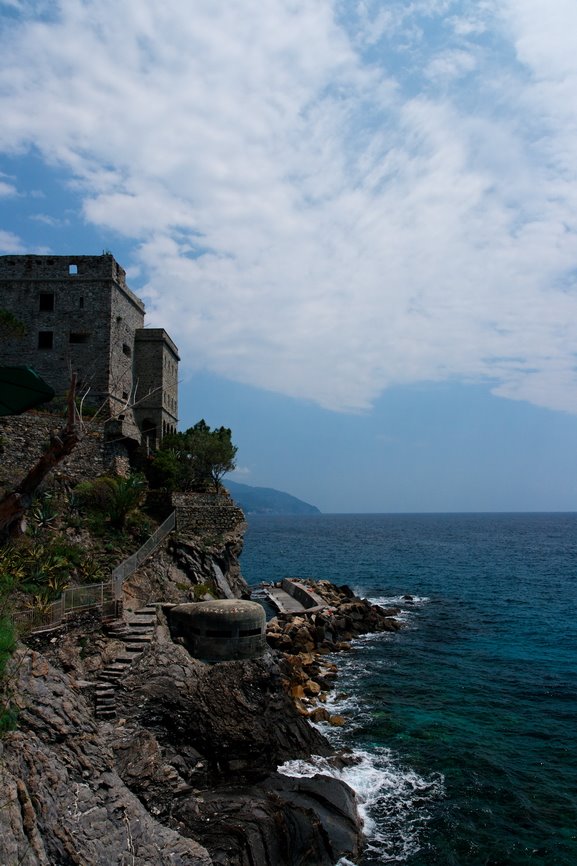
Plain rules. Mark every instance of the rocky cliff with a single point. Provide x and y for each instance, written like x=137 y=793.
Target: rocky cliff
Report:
x=186 y=773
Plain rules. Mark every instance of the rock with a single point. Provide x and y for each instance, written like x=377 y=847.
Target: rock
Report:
x=337 y=721
x=320 y=714
x=312 y=688
x=63 y=801
x=275 y=823
x=227 y=711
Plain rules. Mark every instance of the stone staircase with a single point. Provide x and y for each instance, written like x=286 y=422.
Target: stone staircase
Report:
x=135 y=631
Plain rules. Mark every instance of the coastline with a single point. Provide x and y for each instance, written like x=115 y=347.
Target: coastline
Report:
x=190 y=764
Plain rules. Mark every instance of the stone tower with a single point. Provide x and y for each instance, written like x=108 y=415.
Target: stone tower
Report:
x=80 y=316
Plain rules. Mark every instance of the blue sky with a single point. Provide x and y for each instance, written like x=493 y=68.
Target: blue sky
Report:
x=358 y=221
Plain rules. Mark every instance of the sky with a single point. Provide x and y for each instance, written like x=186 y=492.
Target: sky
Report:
x=356 y=218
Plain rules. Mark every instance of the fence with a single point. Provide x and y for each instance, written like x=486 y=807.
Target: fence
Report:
x=100 y=595
x=129 y=566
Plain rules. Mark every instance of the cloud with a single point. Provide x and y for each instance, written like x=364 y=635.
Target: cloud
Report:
x=11 y=244
x=52 y=222
x=325 y=201
x=7 y=190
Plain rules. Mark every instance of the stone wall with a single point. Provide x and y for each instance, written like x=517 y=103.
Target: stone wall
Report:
x=25 y=437
x=207 y=515
x=156 y=375
x=79 y=315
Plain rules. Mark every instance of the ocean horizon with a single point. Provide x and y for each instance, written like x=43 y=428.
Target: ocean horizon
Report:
x=463 y=723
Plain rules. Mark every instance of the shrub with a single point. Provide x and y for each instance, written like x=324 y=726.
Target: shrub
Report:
x=114 y=498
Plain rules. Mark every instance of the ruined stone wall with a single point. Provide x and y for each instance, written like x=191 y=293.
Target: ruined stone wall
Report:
x=156 y=375
x=207 y=516
x=25 y=437
x=78 y=314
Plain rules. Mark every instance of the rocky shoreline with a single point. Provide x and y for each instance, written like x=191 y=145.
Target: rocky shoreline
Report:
x=187 y=772
x=306 y=638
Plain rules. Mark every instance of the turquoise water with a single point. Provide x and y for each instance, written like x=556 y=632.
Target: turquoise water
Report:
x=465 y=722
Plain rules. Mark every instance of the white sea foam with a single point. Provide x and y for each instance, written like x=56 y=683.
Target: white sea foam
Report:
x=396 y=600
x=393 y=800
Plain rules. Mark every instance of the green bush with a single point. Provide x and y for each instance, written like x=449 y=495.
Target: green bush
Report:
x=112 y=498
x=8 y=713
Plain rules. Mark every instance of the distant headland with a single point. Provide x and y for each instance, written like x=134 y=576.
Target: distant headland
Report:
x=266 y=500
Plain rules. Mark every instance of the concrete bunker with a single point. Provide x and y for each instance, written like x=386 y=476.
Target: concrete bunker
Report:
x=220 y=630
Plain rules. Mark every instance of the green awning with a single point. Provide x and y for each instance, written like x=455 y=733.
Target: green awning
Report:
x=21 y=388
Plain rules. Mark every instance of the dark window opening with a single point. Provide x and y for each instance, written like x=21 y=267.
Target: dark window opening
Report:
x=249 y=632
x=81 y=303
x=46 y=304
x=79 y=338
x=127 y=350
x=73 y=270
x=45 y=339
x=213 y=632
x=125 y=395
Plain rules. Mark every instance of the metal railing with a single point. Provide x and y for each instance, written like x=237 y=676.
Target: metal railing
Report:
x=129 y=566
x=96 y=595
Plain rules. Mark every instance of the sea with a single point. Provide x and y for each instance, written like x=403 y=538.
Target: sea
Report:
x=464 y=723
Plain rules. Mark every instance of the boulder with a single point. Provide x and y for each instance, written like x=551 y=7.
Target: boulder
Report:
x=277 y=822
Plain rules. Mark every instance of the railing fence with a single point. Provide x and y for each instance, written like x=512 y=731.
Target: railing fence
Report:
x=97 y=595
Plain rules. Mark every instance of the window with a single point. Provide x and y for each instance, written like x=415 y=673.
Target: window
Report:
x=81 y=303
x=46 y=302
x=73 y=270
x=127 y=350
x=125 y=395
x=45 y=339
x=78 y=338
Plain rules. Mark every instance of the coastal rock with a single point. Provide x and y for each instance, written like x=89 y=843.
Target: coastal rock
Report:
x=281 y=821
x=237 y=715
x=63 y=801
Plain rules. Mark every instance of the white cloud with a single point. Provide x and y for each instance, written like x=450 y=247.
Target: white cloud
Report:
x=52 y=222
x=318 y=220
x=7 y=190
x=11 y=244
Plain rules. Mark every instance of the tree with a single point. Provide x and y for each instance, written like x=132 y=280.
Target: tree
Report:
x=195 y=459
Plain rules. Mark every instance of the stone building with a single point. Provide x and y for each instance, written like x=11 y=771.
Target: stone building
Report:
x=80 y=316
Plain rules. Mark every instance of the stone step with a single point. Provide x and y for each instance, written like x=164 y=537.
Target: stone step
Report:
x=133 y=649
x=106 y=714
x=140 y=638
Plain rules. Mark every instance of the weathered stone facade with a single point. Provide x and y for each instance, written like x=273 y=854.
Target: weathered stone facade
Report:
x=207 y=515
x=23 y=439
x=80 y=316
